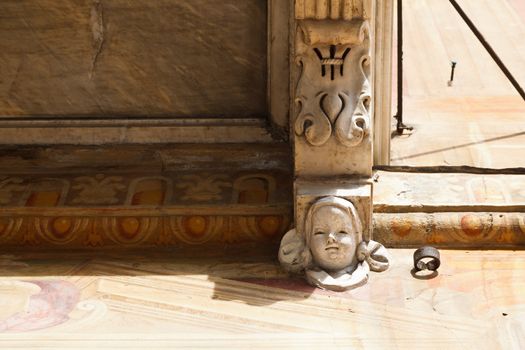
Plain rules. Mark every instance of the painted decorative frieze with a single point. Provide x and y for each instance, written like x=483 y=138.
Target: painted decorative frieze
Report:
x=98 y=189
x=145 y=229
x=202 y=188
x=9 y=186
x=146 y=209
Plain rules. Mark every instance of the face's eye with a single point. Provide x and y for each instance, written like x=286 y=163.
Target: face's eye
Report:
x=343 y=232
x=318 y=233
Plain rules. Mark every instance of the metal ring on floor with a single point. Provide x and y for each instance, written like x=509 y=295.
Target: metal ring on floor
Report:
x=426 y=252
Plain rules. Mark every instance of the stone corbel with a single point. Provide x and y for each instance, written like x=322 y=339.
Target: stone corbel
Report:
x=331 y=245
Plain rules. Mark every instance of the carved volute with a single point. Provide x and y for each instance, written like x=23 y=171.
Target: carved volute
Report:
x=331 y=117
x=333 y=92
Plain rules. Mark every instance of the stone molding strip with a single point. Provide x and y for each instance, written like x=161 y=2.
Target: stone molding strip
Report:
x=467 y=230
x=333 y=9
x=66 y=231
x=114 y=228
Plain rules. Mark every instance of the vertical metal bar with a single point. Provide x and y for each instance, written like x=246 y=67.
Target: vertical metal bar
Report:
x=399 y=116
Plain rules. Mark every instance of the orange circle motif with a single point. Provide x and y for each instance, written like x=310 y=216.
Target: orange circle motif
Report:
x=196 y=225
x=269 y=225
x=472 y=225
x=129 y=227
x=401 y=227
x=61 y=226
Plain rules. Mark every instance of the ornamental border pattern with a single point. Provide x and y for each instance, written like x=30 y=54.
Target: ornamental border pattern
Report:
x=65 y=229
x=80 y=232
x=488 y=230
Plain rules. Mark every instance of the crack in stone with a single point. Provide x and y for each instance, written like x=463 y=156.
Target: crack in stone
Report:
x=97 y=28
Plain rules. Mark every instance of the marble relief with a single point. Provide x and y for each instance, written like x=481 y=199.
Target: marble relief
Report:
x=164 y=301
x=333 y=92
x=331 y=251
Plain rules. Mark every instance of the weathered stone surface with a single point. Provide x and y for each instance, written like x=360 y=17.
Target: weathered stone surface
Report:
x=122 y=58
x=232 y=300
x=449 y=210
x=332 y=124
x=398 y=192
x=472 y=230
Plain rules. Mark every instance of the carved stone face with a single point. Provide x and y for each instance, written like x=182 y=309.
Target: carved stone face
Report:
x=333 y=240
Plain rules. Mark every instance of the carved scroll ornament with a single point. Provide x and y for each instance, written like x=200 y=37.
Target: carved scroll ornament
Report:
x=333 y=93
x=331 y=252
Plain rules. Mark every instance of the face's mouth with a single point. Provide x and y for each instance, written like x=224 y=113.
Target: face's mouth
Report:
x=332 y=247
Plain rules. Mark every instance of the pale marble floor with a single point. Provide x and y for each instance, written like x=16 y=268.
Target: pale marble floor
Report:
x=178 y=301
x=479 y=120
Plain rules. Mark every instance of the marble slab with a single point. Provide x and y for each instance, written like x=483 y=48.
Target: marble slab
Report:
x=426 y=192
x=119 y=58
x=241 y=301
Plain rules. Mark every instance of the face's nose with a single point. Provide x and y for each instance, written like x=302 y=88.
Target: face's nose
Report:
x=331 y=237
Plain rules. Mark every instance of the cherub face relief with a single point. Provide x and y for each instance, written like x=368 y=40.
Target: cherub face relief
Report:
x=330 y=250
x=333 y=240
